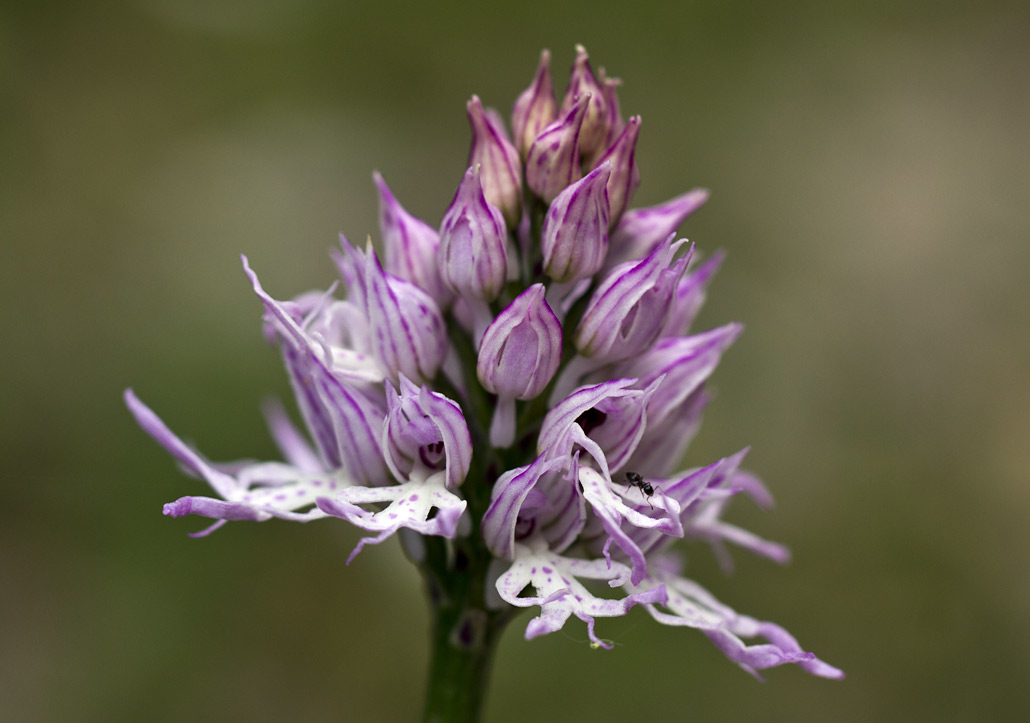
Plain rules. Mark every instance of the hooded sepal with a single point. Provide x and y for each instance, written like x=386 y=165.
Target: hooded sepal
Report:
x=510 y=493
x=682 y=363
x=425 y=433
x=521 y=349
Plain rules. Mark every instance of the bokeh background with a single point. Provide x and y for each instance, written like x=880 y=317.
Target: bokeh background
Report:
x=869 y=168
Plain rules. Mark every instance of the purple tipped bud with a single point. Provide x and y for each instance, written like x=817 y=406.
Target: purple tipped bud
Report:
x=410 y=245
x=582 y=83
x=535 y=109
x=472 y=257
x=625 y=175
x=641 y=230
x=552 y=162
x=575 y=232
x=611 y=98
x=500 y=169
x=628 y=311
x=521 y=349
x=518 y=356
x=424 y=433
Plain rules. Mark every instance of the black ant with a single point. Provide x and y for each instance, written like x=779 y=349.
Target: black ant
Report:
x=646 y=490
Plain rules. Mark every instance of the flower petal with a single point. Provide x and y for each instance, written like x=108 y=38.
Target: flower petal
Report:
x=409 y=506
x=560 y=594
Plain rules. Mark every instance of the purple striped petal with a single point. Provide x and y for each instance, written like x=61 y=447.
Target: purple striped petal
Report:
x=410 y=245
x=343 y=421
x=641 y=230
x=628 y=311
x=690 y=295
x=407 y=331
x=614 y=121
x=683 y=364
x=558 y=437
x=509 y=495
x=625 y=175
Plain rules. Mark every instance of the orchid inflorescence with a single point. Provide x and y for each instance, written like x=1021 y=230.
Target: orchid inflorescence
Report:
x=513 y=392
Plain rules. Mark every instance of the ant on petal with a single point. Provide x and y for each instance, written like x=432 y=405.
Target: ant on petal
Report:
x=646 y=490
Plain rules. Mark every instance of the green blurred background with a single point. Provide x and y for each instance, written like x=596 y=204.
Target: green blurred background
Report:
x=869 y=168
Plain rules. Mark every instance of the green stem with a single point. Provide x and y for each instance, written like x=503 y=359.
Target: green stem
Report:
x=464 y=640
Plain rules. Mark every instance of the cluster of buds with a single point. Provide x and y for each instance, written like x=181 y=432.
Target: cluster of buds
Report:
x=522 y=378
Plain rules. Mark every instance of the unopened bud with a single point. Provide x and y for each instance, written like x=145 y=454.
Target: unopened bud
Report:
x=500 y=170
x=535 y=109
x=552 y=162
x=472 y=256
x=575 y=233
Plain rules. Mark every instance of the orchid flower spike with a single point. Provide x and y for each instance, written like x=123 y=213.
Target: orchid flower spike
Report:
x=513 y=395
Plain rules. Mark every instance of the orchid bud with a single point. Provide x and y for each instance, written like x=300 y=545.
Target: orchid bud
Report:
x=535 y=109
x=500 y=167
x=640 y=230
x=424 y=433
x=552 y=162
x=574 y=239
x=472 y=257
x=410 y=245
x=628 y=311
x=582 y=83
x=611 y=98
x=518 y=357
x=625 y=175
x=521 y=349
